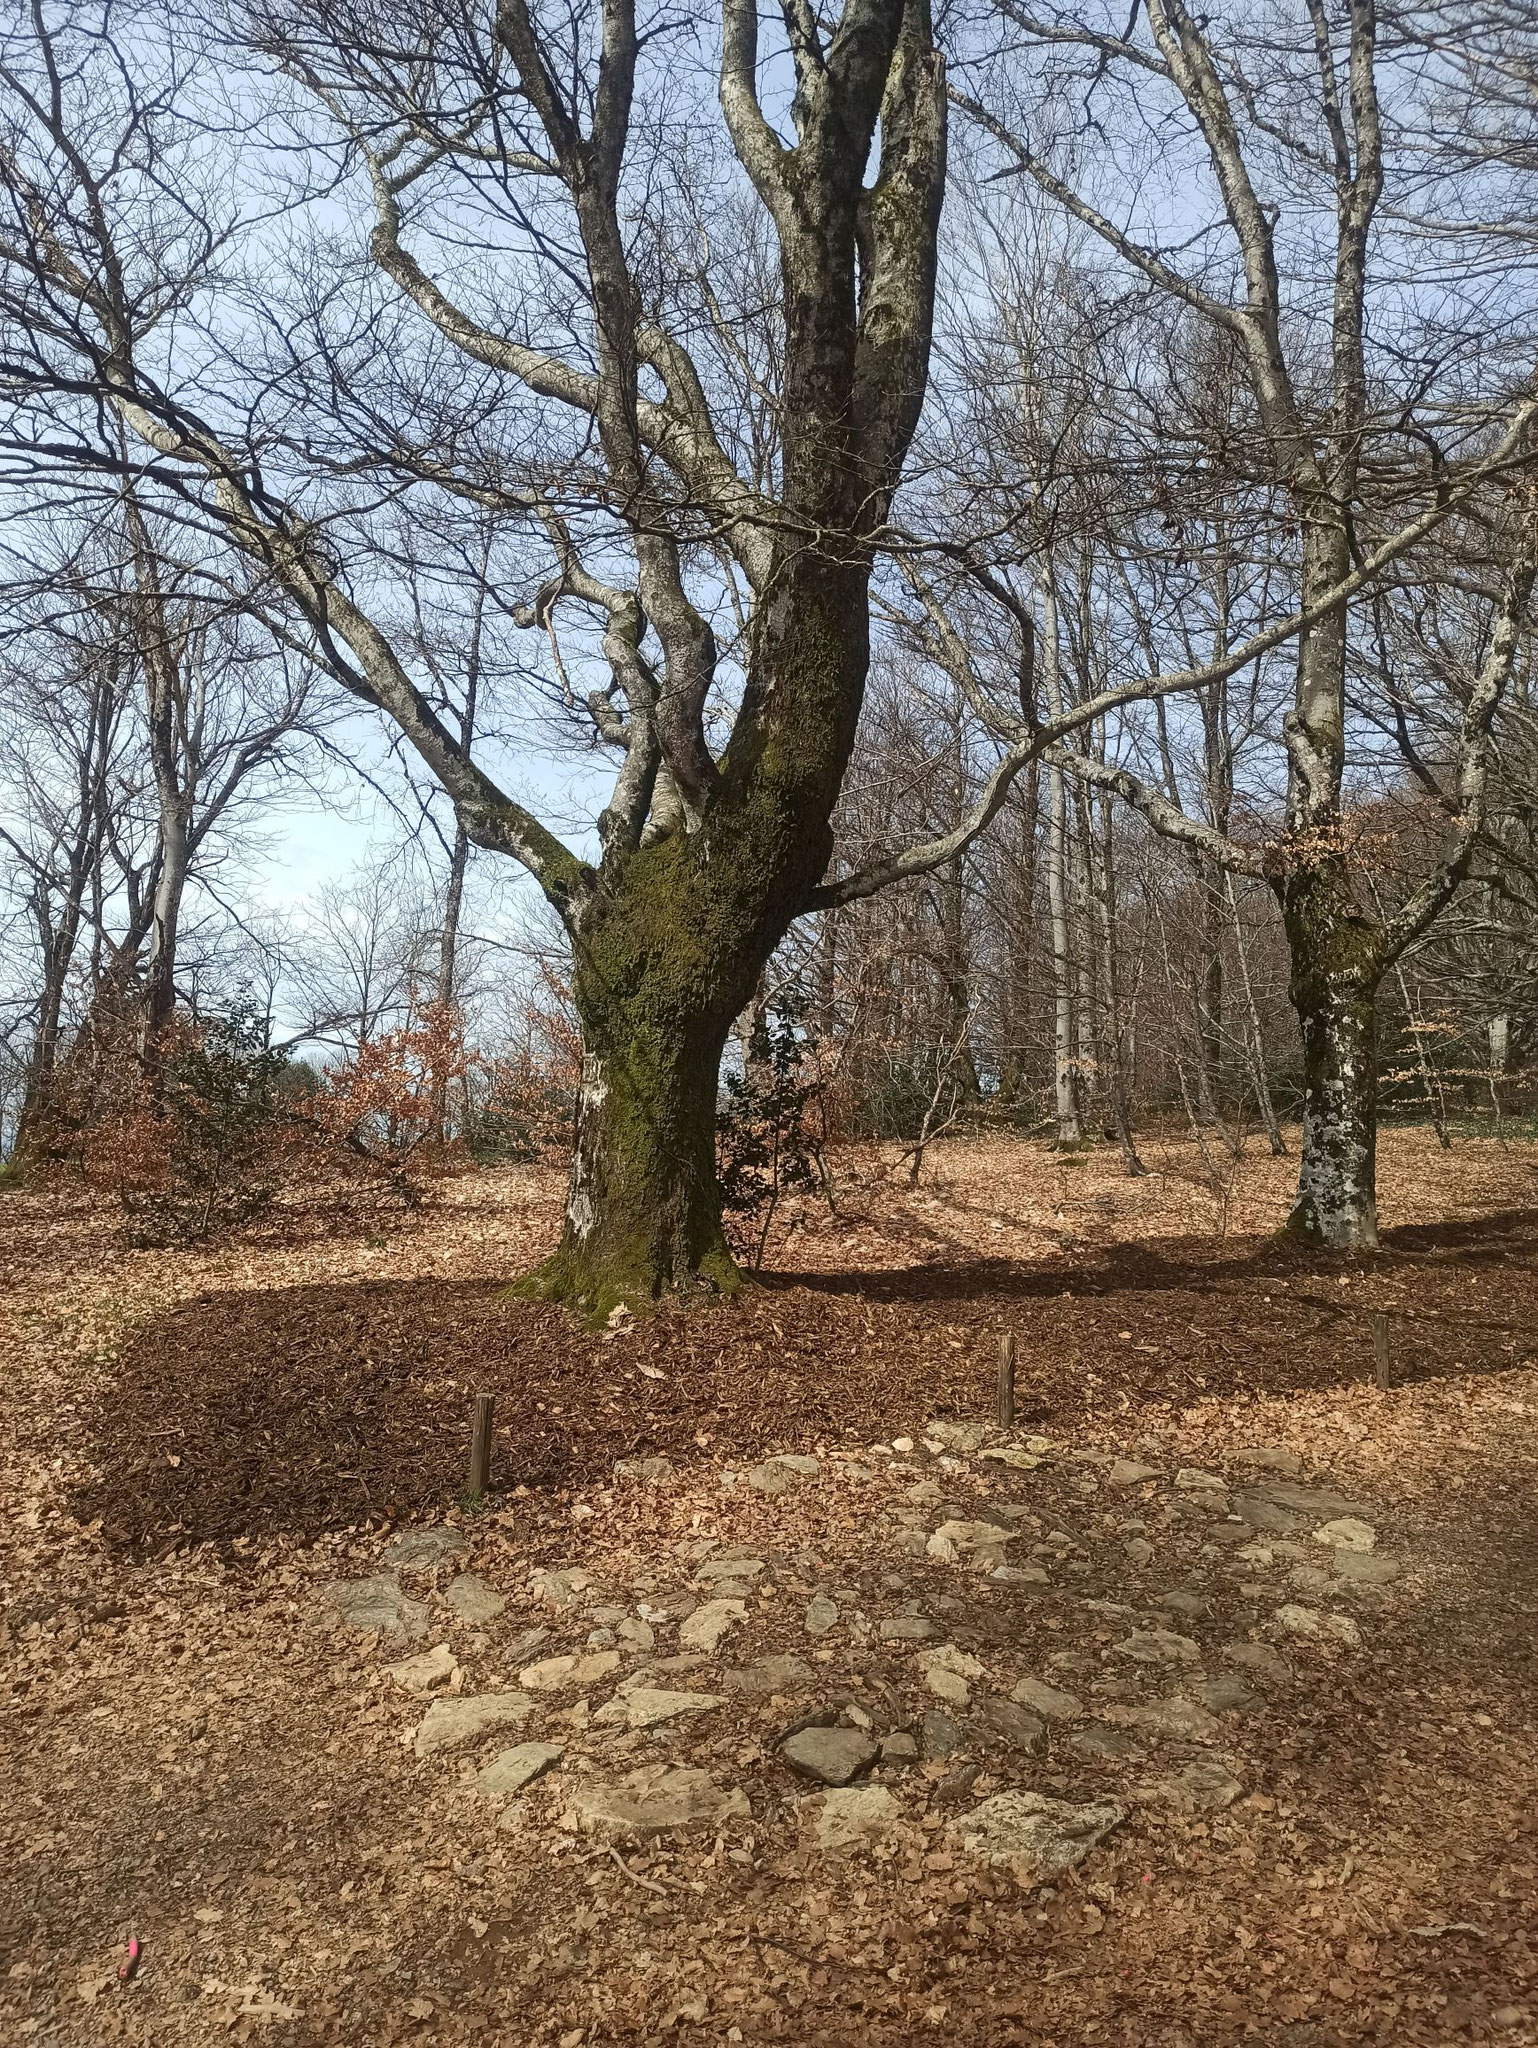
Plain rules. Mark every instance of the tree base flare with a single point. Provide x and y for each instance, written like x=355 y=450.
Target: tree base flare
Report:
x=595 y=1286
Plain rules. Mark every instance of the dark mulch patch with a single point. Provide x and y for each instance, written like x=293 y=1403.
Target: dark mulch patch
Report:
x=292 y=1411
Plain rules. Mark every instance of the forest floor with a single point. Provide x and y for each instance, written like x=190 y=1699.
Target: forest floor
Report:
x=1201 y=1707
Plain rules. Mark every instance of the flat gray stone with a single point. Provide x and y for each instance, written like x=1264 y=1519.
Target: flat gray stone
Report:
x=427 y=1671
x=452 y=1723
x=1347 y=1533
x=1190 y=1479
x=1272 y=1458
x=1226 y=1695
x=1159 y=1646
x=906 y=1628
x=729 y=1568
x=769 y=1675
x=854 y=1818
x=376 y=1603
x=1256 y=1657
x=654 y=1800
x=1035 y=1837
x=1205 y=1786
x=646 y=1706
x=832 y=1756
x=1174 y=1719
x=473 y=1600
x=1193 y=1605
x=419 y=1550
x=645 y=1471
x=1113 y=1745
x=708 y=1624
x=778 y=1475
x=1128 y=1472
x=1014 y=1723
x=511 y=1769
x=941 y=1735
x=899 y=1748
x=570 y=1673
x=821 y=1615
x=1367 y=1568
x=1048 y=1700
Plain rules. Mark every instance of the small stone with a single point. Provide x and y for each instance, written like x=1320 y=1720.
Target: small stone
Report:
x=939 y=1735
x=562 y=1587
x=770 y=1675
x=849 y=1819
x=1139 y=1550
x=708 y=1624
x=644 y=1706
x=1019 y=1575
x=473 y=1600
x=965 y=1438
x=654 y=1800
x=1309 y=1621
x=450 y=1724
x=1256 y=1553
x=948 y=1686
x=636 y=1635
x=821 y=1615
x=1128 y=1472
x=427 y=1671
x=1035 y=1837
x=1016 y=1460
x=419 y=1550
x=1505 y=2016
x=376 y=1603
x=906 y=1628
x=1193 y=1604
x=1014 y=1723
x=562 y=1674
x=899 y=1748
x=1159 y=1646
x=833 y=1756
x=1048 y=1700
x=1205 y=1786
x=1191 y=1480
x=511 y=1769
x=1347 y=1534
x=902 y=1444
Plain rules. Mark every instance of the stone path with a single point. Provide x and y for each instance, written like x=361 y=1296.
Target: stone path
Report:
x=996 y=1645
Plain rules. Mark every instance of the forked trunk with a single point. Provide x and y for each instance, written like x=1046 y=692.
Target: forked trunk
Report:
x=1336 y=964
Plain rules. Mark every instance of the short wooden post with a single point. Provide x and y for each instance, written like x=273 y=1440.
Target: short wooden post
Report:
x=480 y=1445
x=1007 y=1379
x=1380 y=1349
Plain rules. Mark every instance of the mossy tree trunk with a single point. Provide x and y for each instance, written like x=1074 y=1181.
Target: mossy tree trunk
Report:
x=1337 y=958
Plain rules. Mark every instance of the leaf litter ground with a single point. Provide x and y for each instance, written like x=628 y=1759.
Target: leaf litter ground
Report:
x=197 y=1444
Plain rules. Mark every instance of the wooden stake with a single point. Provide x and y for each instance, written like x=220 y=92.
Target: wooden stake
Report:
x=1007 y=1379
x=480 y=1445
x=1380 y=1349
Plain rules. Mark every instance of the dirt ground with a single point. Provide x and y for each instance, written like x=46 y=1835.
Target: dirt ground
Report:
x=1286 y=1619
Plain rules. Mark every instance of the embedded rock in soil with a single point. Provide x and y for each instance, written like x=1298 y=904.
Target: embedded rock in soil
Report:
x=1128 y=1472
x=427 y=1671
x=1256 y=1657
x=1272 y=1459
x=821 y=1615
x=1193 y=1605
x=653 y=1800
x=1159 y=1646
x=1366 y=1569
x=899 y=1748
x=1191 y=1480
x=1033 y=1836
x=647 y=1471
x=1309 y=1622
x=906 y=1628
x=1227 y=1695
x=420 y=1550
x=708 y=1624
x=1047 y=1699
x=729 y=1568
x=1138 y=1551
x=450 y=1724
x=511 y=1769
x=473 y=1600
x=830 y=1755
x=557 y=1674
x=1019 y=1575
x=376 y=1603
x=964 y=1438
x=769 y=1675
x=1203 y=1787
x=849 y=1819
x=643 y=1706
x=778 y=1475
x=1347 y=1534
x=1017 y=1726
x=1175 y=1718
x=941 y=1735
x=1114 y=1745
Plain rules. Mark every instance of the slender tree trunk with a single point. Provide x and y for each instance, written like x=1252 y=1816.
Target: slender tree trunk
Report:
x=453 y=909
x=1118 y=1079
x=1335 y=971
x=1257 y=1044
x=1070 y=1130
